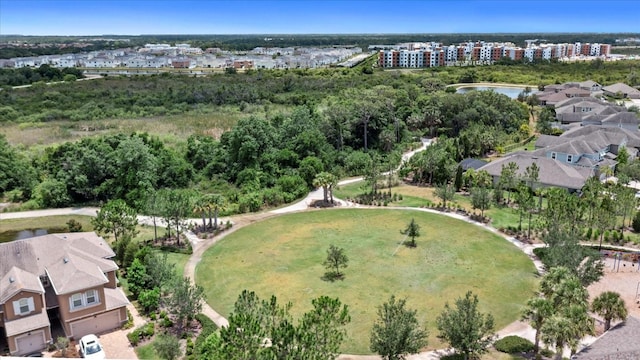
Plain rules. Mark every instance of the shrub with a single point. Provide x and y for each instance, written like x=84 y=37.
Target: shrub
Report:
x=129 y=323
x=148 y=330
x=149 y=299
x=134 y=337
x=636 y=222
x=546 y=353
x=513 y=344
x=587 y=236
x=166 y=322
x=208 y=328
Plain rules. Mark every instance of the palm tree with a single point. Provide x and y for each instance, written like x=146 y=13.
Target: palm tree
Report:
x=218 y=203
x=537 y=311
x=582 y=324
x=557 y=330
x=200 y=206
x=610 y=306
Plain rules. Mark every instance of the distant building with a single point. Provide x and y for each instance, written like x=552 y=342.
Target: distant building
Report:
x=417 y=55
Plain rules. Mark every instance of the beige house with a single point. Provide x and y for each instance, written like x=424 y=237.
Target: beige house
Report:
x=57 y=281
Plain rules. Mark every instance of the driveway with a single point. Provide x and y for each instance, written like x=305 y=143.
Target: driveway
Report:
x=115 y=343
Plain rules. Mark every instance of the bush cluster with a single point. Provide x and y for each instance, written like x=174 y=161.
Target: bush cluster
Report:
x=513 y=344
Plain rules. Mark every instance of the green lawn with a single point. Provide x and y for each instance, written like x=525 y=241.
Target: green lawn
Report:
x=44 y=222
x=418 y=196
x=283 y=256
x=180 y=260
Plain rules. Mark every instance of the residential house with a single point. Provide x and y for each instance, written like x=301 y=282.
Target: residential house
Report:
x=57 y=281
x=552 y=173
x=591 y=146
x=620 y=89
x=592 y=111
x=470 y=163
x=616 y=344
x=590 y=85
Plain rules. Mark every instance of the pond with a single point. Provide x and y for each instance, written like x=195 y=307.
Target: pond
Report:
x=28 y=233
x=511 y=92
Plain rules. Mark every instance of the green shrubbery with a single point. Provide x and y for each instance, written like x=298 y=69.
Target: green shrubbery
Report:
x=513 y=344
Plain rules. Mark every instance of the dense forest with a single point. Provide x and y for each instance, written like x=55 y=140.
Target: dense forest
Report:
x=342 y=121
x=71 y=44
x=338 y=121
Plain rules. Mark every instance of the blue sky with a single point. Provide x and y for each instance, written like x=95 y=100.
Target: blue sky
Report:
x=136 y=17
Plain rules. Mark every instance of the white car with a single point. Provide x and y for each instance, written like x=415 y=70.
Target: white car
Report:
x=90 y=348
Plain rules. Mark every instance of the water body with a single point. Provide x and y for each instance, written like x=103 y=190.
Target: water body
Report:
x=28 y=233
x=509 y=91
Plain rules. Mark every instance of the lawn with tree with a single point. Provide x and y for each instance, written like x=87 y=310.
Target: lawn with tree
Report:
x=452 y=257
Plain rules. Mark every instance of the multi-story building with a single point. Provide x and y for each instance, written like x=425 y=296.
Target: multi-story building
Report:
x=53 y=281
x=414 y=55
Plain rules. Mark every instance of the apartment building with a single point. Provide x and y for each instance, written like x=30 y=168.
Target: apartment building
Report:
x=416 y=55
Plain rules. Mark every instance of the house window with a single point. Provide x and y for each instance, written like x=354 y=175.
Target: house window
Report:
x=23 y=306
x=553 y=155
x=92 y=297
x=76 y=301
x=88 y=298
x=569 y=158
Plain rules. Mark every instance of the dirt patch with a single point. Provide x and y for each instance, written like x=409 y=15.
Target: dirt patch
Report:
x=624 y=279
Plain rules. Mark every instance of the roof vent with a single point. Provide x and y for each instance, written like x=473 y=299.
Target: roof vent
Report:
x=65 y=260
x=12 y=280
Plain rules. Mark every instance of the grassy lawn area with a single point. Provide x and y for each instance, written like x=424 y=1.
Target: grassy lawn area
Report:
x=45 y=222
x=180 y=260
x=417 y=196
x=283 y=256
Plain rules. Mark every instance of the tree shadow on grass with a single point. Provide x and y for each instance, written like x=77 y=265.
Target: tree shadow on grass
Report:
x=332 y=276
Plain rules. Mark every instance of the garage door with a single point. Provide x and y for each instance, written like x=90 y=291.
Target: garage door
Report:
x=95 y=325
x=30 y=343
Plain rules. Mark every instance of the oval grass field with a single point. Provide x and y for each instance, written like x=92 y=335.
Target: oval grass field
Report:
x=283 y=256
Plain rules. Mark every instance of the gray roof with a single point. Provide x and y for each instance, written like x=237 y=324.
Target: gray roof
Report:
x=620 y=87
x=613 y=135
x=548 y=140
x=587 y=84
x=574 y=100
x=27 y=323
x=72 y=261
x=470 y=163
x=16 y=280
x=552 y=173
x=619 y=343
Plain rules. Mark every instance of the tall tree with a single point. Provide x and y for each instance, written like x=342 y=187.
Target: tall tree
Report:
x=466 y=329
x=508 y=178
x=397 y=332
x=321 y=330
x=268 y=331
x=412 y=231
x=604 y=216
x=185 y=300
x=445 y=192
x=481 y=198
x=116 y=218
x=558 y=331
x=325 y=180
x=537 y=311
x=214 y=203
x=610 y=306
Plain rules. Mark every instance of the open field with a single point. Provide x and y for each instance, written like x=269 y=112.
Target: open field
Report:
x=283 y=256
x=417 y=196
x=172 y=129
x=60 y=222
